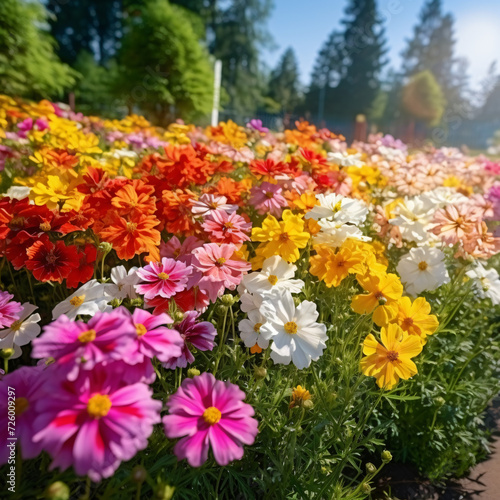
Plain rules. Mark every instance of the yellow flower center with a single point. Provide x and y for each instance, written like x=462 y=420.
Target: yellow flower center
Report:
x=77 y=301
x=163 y=276
x=140 y=329
x=392 y=356
x=87 y=336
x=220 y=261
x=337 y=206
x=284 y=237
x=131 y=227
x=423 y=265
x=291 y=327
x=45 y=226
x=212 y=415
x=21 y=406
x=16 y=325
x=273 y=279
x=407 y=323
x=99 y=405
x=256 y=327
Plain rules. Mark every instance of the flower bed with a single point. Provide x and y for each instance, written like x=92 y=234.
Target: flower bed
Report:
x=239 y=312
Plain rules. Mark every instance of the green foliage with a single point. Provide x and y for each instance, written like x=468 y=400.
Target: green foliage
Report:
x=164 y=69
x=441 y=429
x=284 y=84
x=423 y=99
x=29 y=66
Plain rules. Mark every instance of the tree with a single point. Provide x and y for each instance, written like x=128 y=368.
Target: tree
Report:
x=423 y=98
x=29 y=66
x=164 y=69
x=364 y=46
x=94 y=26
x=284 y=83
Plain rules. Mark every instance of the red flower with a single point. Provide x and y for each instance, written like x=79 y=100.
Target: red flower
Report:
x=51 y=262
x=85 y=269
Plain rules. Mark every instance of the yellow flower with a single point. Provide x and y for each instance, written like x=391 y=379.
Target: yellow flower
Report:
x=299 y=395
x=384 y=290
x=333 y=265
x=390 y=360
x=283 y=237
x=55 y=193
x=415 y=319
x=306 y=202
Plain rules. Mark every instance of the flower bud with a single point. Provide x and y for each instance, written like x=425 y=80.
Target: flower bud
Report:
x=366 y=488
x=139 y=302
x=227 y=299
x=178 y=316
x=386 y=456
x=139 y=474
x=115 y=303
x=6 y=353
x=440 y=401
x=57 y=491
x=220 y=309
x=193 y=372
x=105 y=247
x=370 y=468
x=260 y=372
x=164 y=492
x=308 y=404
x=296 y=301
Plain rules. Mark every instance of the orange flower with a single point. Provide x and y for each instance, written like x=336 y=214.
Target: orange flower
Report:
x=177 y=212
x=133 y=237
x=135 y=198
x=229 y=188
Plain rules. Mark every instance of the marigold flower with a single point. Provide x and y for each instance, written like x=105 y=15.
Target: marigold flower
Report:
x=390 y=360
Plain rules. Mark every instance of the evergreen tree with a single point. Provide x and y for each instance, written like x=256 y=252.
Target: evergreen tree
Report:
x=94 y=26
x=364 y=47
x=163 y=68
x=29 y=66
x=284 y=84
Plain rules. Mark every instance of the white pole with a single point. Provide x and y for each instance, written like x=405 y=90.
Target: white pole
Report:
x=217 y=80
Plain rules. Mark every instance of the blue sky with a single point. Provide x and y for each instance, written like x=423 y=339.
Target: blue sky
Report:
x=306 y=24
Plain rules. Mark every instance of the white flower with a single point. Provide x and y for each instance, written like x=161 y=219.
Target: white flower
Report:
x=296 y=335
x=123 y=282
x=344 y=159
x=22 y=331
x=392 y=154
x=124 y=153
x=423 y=269
x=486 y=283
x=443 y=196
x=250 y=302
x=338 y=208
x=276 y=276
x=250 y=330
x=17 y=192
x=412 y=217
x=334 y=234
x=89 y=299
x=208 y=203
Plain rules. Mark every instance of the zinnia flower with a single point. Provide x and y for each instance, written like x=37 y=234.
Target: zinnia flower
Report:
x=209 y=414
x=390 y=360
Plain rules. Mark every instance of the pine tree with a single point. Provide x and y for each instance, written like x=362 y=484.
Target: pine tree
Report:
x=284 y=83
x=364 y=46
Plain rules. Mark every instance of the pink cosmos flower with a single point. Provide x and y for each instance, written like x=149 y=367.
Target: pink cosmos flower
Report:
x=256 y=124
x=9 y=310
x=219 y=270
x=94 y=422
x=454 y=222
x=208 y=203
x=153 y=338
x=108 y=336
x=199 y=335
x=209 y=413
x=267 y=198
x=164 y=278
x=227 y=228
x=182 y=252
x=27 y=382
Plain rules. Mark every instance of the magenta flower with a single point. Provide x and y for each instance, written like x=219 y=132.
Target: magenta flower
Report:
x=267 y=198
x=9 y=310
x=165 y=278
x=154 y=338
x=94 y=422
x=107 y=337
x=227 y=228
x=209 y=413
x=219 y=270
x=27 y=382
x=199 y=335
x=257 y=125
